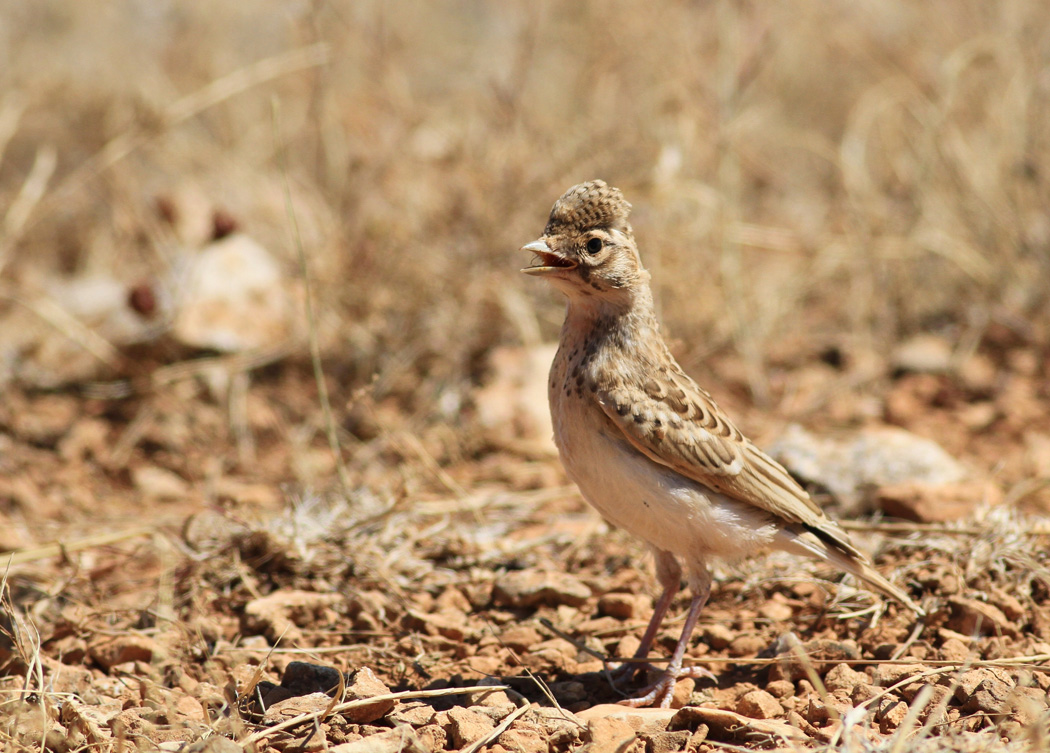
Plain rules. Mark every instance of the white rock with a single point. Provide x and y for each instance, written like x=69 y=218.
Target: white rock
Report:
x=848 y=465
x=159 y=483
x=233 y=297
x=925 y=354
x=512 y=404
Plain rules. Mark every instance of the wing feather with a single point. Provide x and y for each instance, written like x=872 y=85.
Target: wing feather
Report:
x=676 y=423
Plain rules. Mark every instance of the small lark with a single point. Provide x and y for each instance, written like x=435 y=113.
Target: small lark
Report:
x=648 y=448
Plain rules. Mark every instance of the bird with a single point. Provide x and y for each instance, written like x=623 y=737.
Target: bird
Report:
x=648 y=448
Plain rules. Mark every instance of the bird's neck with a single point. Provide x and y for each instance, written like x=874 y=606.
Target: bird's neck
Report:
x=629 y=312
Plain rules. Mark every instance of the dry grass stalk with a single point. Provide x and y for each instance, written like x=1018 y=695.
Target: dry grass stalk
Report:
x=63 y=548
x=53 y=314
x=504 y=725
x=183 y=109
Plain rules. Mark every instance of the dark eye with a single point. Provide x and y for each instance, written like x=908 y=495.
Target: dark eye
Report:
x=594 y=245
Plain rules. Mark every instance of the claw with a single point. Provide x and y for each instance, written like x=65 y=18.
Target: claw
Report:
x=661 y=692
x=668 y=573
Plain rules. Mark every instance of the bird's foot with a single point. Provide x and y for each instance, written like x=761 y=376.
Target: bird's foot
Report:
x=660 y=692
x=626 y=672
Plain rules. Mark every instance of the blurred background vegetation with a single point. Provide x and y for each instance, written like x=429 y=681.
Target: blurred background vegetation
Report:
x=808 y=178
x=845 y=206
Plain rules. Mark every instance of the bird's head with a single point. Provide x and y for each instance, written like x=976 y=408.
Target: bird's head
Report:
x=588 y=248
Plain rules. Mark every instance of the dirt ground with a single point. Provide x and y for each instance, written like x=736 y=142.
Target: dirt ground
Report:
x=181 y=604
x=275 y=473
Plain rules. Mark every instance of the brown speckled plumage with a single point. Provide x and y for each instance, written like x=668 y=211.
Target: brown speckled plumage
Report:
x=650 y=449
x=593 y=204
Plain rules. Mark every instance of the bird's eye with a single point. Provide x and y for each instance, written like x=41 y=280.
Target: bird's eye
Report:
x=594 y=245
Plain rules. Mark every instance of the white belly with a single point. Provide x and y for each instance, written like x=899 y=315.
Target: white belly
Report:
x=666 y=509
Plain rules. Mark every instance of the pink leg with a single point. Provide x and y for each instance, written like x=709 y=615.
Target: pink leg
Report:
x=669 y=576
x=661 y=692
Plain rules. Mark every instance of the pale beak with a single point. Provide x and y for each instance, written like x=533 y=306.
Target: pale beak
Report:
x=548 y=261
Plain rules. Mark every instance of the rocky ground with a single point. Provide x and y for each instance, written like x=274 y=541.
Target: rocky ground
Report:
x=190 y=601
x=235 y=522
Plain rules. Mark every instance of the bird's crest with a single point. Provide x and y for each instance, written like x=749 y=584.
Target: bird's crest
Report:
x=589 y=205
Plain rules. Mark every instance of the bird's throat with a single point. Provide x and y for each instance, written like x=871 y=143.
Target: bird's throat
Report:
x=630 y=308
x=603 y=326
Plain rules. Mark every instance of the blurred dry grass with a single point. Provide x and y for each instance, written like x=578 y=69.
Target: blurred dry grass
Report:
x=803 y=173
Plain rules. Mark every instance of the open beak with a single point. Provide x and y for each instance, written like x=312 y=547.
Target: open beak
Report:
x=547 y=260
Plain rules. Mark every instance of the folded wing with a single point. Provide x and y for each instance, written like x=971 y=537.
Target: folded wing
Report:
x=677 y=424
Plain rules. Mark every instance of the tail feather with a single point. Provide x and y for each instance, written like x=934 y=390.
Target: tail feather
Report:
x=807 y=543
